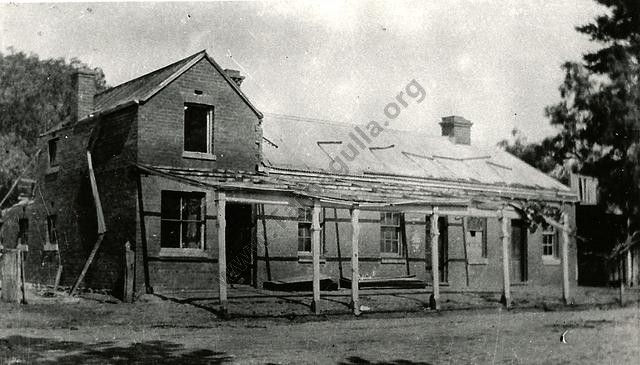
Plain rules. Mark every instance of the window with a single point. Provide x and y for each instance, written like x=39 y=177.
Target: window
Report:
x=550 y=243
x=390 y=242
x=476 y=238
x=51 y=229
x=198 y=128
x=182 y=220
x=53 y=152
x=23 y=231
x=304 y=229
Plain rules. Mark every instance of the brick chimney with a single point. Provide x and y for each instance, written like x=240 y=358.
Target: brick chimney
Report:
x=84 y=86
x=457 y=129
x=235 y=76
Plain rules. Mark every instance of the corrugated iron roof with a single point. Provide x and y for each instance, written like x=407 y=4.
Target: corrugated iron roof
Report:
x=307 y=145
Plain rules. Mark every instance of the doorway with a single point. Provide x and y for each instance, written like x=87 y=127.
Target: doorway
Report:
x=238 y=246
x=518 y=268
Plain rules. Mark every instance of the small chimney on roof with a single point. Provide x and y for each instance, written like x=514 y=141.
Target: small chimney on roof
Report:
x=235 y=76
x=457 y=129
x=84 y=86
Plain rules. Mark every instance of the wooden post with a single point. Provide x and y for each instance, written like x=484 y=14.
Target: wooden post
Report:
x=129 y=270
x=11 y=276
x=222 y=250
x=254 y=245
x=355 y=270
x=435 y=267
x=566 y=297
x=505 y=223
x=621 y=277
x=266 y=243
x=629 y=268
x=143 y=238
x=315 y=243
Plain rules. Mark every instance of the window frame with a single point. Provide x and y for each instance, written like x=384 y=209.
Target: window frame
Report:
x=210 y=115
x=202 y=223
x=52 y=230
x=484 y=249
x=23 y=234
x=396 y=228
x=305 y=220
x=552 y=258
x=53 y=162
x=305 y=223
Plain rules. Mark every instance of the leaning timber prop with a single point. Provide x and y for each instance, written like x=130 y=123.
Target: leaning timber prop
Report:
x=335 y=216
x=466 y=253
x=102 y=229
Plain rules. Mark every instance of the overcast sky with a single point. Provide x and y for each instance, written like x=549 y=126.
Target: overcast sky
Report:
x=497 y=63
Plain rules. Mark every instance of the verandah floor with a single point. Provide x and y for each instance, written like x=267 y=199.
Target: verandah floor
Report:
x=246 y=301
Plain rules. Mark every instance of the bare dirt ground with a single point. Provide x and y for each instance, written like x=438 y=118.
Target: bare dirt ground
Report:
x=187 y=331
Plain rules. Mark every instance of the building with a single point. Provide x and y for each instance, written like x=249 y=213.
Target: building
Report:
x=195 y=178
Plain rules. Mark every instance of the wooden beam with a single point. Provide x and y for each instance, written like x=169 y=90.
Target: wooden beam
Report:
x=629 y=268
x=434 y=300
x=92 y=255
x=621 y=283
x=505 y=223
x=566 y=296
x=355 y=270
x=315 y=243
x=129 y=270
x=96 y=197
x=266 y=243
x=143 y=237
x=221 y=222
x=102 y=228
x=335 y=215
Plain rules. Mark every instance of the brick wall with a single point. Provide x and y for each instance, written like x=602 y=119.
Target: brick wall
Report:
x=66 y=192
x=237 y=133
x=167 y=271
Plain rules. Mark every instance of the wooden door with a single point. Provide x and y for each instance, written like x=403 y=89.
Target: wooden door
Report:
x=518 y=266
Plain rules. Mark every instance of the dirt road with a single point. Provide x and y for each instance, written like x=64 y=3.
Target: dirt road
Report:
x=483 y=337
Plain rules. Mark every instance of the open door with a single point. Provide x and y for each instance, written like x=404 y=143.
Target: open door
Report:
x=518 y=268
x=239 y=238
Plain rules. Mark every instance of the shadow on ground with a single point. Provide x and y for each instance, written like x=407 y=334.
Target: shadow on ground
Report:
x=29 y=350
x=356 y=360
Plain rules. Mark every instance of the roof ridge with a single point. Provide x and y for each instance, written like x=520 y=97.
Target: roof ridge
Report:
x=151 y=73
x=298 y=118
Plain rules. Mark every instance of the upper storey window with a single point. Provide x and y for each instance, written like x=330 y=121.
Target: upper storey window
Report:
x=198 y=128
x=53 y=152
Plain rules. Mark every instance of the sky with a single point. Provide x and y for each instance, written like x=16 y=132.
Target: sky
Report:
x=496 y=63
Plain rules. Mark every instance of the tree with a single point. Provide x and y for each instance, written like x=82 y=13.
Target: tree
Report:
x=599 y=112
x=35 y=95
x=600 y=109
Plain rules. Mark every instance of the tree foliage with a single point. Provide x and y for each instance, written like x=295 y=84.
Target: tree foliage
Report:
x=599 y=112
x=35 y=95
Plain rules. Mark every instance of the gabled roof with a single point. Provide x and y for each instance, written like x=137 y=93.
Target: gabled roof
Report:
x=141 y=89
x=295 y=145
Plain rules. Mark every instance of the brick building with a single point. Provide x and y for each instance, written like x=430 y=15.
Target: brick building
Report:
x=195 y=177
